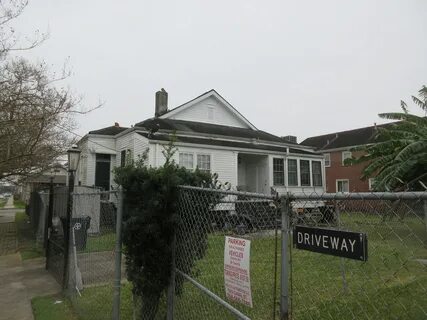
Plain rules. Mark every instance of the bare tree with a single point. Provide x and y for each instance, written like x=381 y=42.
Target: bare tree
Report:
x=36 y=113
x=35 y=117
x=10 y=39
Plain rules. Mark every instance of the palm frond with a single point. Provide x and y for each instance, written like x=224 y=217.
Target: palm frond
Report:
x=411 y=150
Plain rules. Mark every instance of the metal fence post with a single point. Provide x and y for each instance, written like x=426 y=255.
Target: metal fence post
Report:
x=67 y=232
x=118 y=257
x=48 y=225
x=425 y=213
x=171 y=289
x=338 y=218
x=284 y=271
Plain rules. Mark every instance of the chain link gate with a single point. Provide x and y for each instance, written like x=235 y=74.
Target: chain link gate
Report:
x=391 y=284
x=207 y=216
x=56 y=241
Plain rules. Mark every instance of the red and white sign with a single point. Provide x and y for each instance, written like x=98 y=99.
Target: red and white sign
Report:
x=236 y=270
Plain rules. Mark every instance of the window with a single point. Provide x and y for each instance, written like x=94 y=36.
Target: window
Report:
x=345 y=155
x=316 y=167
x=278 y=172
x=371 y=182
x=305 y=172
x=343 y=186
x=327 y=159
x=186 y=160
x=123 y=158
x=292 y=172
x=204 y=162
x=102 y=171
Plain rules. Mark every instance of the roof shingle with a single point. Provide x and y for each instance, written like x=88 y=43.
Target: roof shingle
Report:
x=349 y=138
x=108 y=131
x=209 y=129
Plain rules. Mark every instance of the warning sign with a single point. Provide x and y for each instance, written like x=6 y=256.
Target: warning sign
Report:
x=236 y=270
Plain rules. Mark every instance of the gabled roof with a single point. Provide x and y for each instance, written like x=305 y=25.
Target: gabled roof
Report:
x=203 y=96
x=224 y=143
x=342 y=139
x=108 y=131
x=155 y=124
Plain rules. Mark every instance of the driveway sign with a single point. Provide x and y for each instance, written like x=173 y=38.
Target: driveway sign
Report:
x=352 y=245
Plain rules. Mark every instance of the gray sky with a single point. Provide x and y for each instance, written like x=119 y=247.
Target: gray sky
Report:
x=291 y=67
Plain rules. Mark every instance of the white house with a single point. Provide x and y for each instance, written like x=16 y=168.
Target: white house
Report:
x=212 y=135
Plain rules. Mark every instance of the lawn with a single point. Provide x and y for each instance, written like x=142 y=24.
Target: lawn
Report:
x=2 y=203
x=52 y=308
x=19 y=204
x=27 y=246
x=390 y=285
x=103 y=242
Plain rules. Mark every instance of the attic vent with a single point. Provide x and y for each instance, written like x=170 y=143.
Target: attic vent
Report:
x=292 y=139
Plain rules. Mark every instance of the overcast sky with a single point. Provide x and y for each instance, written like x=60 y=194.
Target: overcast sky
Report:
x=291 y=67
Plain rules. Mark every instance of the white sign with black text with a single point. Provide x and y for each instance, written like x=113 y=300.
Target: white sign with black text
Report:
x=237 y=279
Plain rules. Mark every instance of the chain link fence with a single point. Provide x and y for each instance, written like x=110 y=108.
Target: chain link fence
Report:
x=276 y=280
x=391 y=284
x=93 y=263
x=208 y=283
x=55 y=252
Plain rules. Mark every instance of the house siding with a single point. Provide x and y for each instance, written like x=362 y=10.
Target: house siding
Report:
x=90 y=148
x=140 y=145
x=200 y=112
x=223 y=162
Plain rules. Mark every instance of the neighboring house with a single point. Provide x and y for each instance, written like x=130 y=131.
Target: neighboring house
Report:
x=336 y=148
x=211 y=135
x=57 y=174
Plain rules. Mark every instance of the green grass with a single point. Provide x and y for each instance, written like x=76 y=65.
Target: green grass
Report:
x=104 y=242
x=390 y=285
x=2 y=203
x=26 y=240
x=19 y=204
x=48 y=308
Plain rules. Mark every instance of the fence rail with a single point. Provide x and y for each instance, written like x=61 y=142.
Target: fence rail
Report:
x=284 y=281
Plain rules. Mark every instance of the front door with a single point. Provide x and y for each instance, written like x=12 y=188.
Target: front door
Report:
x=261 y=180
x=102 y=171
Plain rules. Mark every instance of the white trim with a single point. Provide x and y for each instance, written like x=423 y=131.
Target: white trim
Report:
x=343 y=148
x=342 y=156
x=210 y=161
x=284 y=172
x=186 y=153
x=211 y=93
x=309 y=173
x=342 y=180
x=370 y=183
x=321 y=173
x=327 y=154
x=287 y=172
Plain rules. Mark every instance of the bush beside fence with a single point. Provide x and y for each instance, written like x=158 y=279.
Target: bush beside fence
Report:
x=392 y=283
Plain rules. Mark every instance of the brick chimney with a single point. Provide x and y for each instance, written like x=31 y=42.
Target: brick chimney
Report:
x=161 y=103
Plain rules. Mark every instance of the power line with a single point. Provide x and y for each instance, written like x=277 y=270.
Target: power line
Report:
x=80 y=136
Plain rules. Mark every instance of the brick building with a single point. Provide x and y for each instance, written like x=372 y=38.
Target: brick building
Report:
x=336 y=148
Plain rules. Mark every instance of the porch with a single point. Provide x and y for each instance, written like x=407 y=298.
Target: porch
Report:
x=253 y=173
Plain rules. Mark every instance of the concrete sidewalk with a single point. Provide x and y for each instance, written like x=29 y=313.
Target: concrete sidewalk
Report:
x=20 y=281
x=9 y=204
